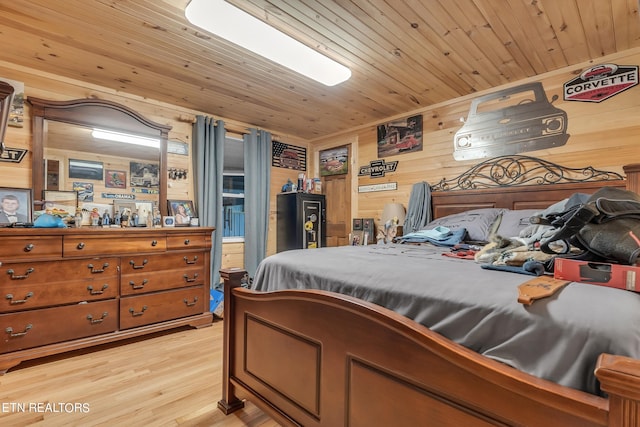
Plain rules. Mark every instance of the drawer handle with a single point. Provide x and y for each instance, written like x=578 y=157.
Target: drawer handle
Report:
x=96 y=321
x=154 y=243
x=134 y=286
x=191 y=304
x=12 y=334
x=189 y=280
x=96 y=271
x=138 y=267
x=18 y=277
x=138 y=313
x=19 y=301
x=98 y=292
x=80 y=246
x=195 y=259
x=187 y=241
x=29 y=247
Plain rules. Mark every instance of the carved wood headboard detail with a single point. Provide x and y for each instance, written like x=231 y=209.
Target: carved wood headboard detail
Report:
x=521 y=182
x=507 y=171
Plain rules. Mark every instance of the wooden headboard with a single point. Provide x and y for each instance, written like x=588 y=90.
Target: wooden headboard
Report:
x=522 y=182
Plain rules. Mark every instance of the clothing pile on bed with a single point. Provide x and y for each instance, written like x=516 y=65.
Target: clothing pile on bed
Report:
x=505 y=239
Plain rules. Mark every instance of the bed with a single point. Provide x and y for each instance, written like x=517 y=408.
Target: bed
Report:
x=325 y=358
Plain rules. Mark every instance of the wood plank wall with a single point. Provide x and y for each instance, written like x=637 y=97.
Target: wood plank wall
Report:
x=604 y=135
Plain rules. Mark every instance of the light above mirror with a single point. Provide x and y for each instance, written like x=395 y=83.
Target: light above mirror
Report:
x=125 y=138
x=238 y=27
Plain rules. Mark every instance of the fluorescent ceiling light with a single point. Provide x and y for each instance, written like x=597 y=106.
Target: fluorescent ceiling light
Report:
x=126 y=138
x=238 y=27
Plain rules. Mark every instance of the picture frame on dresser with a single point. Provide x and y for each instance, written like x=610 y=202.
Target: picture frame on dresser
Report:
x=16 y=206
x=61 y=201
x=182 y=211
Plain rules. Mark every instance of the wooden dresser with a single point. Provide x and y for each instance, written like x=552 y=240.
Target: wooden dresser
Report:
x=64 y=289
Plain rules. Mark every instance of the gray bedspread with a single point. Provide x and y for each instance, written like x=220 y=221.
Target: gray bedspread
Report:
x=558 y=338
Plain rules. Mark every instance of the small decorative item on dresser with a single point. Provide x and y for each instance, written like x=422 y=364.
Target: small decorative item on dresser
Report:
x=157 y=218
x=168 y=221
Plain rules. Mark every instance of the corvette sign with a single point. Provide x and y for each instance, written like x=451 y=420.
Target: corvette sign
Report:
x=601 y=82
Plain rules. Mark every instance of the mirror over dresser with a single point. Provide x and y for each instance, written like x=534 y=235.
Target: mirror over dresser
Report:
x=97 y=144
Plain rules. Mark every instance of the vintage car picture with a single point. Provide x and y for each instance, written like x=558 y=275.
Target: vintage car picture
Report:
x=400 y=136
x=334 y=161
x=143 y=174
x=511 y=121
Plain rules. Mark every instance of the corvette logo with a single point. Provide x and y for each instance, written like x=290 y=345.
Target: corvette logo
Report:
x=601 y=82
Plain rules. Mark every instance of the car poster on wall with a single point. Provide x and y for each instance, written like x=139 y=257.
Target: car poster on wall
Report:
x=400 y=136
x=143 y=175
x=595 y=84
x=334 y=161
x=511 y=121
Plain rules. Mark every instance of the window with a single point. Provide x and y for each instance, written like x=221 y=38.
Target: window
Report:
x=233 y=191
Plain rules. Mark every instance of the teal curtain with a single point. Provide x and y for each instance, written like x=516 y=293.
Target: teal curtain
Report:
x=208 y=165
x=257 y=178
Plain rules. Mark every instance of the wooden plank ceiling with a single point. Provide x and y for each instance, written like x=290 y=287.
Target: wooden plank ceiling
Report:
x=404 y=54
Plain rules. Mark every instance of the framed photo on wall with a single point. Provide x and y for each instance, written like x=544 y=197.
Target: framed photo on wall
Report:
x=334 y=161
x=182 y=211
x=400 y=136
x=115 y=179
x=85 y=191
x=16 y=205
x=143 y=175
x=85 y=169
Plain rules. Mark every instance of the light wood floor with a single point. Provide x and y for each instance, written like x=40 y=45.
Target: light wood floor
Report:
x=171 y=379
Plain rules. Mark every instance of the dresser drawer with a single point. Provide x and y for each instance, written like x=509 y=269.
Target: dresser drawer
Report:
x=76 y=246
x=159 y=262
x=191 y=241
x=34 y=328
x=147 y=273
x=132 y=284
x=57 y=271
x=158 y=307
x=26 y=296
x=28 y=247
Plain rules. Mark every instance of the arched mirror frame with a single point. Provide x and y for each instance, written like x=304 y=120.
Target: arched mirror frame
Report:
x=94 y=113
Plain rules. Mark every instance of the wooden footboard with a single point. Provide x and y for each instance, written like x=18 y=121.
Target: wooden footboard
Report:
x=315 y=358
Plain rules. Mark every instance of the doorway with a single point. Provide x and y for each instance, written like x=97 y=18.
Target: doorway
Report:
x=338 y=194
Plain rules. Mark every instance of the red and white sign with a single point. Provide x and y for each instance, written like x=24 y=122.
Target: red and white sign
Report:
x=601 y=82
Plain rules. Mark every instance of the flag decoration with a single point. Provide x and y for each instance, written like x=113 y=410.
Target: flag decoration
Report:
x=288 y=156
